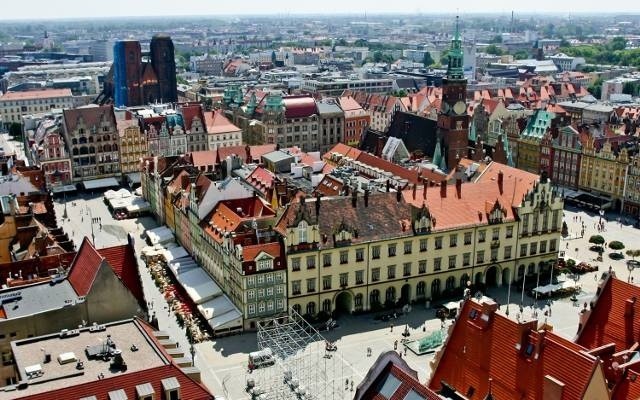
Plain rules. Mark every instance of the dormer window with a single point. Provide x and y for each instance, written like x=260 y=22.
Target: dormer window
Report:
x=264 y=264
x=302 y=232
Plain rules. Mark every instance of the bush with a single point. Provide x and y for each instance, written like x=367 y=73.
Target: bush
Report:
x=596 y=239
x=616 y=245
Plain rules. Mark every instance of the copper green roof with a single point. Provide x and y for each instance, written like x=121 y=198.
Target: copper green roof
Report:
x=538 y=124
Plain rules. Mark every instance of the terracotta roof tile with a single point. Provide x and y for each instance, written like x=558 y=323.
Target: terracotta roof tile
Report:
x=36 y=94
x=122 y=260
x=217 y=123
x=84 y=268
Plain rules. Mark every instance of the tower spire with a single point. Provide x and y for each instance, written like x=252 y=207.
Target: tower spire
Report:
x=455 y=66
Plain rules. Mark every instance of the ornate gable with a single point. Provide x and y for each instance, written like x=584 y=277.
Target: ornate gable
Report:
x=423 y=222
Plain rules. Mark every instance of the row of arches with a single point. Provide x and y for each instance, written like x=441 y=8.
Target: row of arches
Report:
x=90 y=139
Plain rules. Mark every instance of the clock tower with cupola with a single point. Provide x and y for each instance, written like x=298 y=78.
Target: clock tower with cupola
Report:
x=453 y=120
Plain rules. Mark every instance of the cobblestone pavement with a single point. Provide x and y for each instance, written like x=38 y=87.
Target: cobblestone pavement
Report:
x=223 y=361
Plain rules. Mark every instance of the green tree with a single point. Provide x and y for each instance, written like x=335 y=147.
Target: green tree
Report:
x=587 y=68
x=564 y=43
x=631 y=88
x=618 y=43
x=596 y=88
x=597 y=240
x=444 y=58
x=616 y=245
x=427 y=60
x=633 y=253
x=521 y=54
x=493 y=49
x=496 y=39
x=15 y=130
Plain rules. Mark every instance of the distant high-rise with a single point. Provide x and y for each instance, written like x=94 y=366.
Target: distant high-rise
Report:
x=136 y=82
x=164 y=64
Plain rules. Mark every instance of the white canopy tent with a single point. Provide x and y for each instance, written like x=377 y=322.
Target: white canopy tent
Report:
x=100 y=183
x=160 y=235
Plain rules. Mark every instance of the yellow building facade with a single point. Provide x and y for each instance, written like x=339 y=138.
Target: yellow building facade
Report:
x=602 y=170
x=363 y=252
x=133 y=146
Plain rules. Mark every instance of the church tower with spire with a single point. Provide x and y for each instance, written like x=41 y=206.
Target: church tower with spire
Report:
x=453 y=119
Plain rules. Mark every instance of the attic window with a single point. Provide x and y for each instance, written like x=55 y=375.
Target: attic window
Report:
x=473 y=314
x=529 y=350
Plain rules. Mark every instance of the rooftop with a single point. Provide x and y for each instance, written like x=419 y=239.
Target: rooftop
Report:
x=35 y=94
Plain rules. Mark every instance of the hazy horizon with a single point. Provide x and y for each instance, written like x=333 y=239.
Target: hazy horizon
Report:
x=73 y=9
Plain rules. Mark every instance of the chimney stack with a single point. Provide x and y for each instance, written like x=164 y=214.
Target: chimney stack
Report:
x=500 y=181
x=414 y=190
x=366 y=198
x=388 y=186
x=425 y=183
x=459 y=187
x=443 y=188
x=354 y=198
x=399 y=194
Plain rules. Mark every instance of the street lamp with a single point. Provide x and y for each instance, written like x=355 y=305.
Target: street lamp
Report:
x=192 y=350
x=631 y=265
x=576 y=277
x=93 y=236
x=57 y=174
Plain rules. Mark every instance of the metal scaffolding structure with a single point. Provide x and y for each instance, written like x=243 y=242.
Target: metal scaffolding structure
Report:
x=304 y=369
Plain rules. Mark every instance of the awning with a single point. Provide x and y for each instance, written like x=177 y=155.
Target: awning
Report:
x=160 y=235
x=64 y=188
x=100 y=183
x=133 y=178
x=230 y=320
x=141 y=207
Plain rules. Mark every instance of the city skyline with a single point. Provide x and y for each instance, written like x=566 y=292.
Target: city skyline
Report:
x=40 y=9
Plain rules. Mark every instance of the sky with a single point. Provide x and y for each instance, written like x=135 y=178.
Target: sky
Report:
x=54 y=9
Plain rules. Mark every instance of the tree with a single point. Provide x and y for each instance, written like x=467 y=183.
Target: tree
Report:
x=15 y=130
x=521 y=55
x=565 y=229
x=616 y=245
x=596 y=88
x=633 y=253
x=618 y=43
x=427 y=60
x=493 y=49
x=596 y=239
x=564 y=43
x=444 y=58
x=496 y=39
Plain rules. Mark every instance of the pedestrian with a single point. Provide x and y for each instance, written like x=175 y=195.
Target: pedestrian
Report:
x=391 y=325
x=395 y=345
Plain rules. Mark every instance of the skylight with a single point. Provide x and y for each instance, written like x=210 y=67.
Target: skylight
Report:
x=389 y=386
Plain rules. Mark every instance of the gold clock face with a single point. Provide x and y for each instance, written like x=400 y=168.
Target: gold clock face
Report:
x=460 y=107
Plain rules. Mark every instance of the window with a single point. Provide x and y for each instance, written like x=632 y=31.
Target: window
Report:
x=495 y=234
x=359 y=255
x=260 y=293
x=534 y=226
x=391 y=250
x=423 y=244
x=523 y=250
x=391 y=272
x=279 y=289
x=344 y=279
x=311 y=285
x=260 y=279
x=407 y=247
x=525 y=225
x=251 y=281
x=453 y=240
x=326 y=260
x=280 y=304
x=265 y=264
x=359 y=277
x=295 y=287
x=480 y=257
x=467 y=238
x=494 y=254
x=270 y=291
x=295 y=264
x=406 y=269
x=552 y=245
x=466 y=259
x=252 y=308
x=251 y=294
x=375 y=252
x=533 y=249
x=509 y=232
x=437 y=264
x=438 y=242
x=302 y=232
x=326 y=282
x=261 y=307
x=311 y=262
x=375 y=274
x=482 y=236
x=422 y=266
x=344 y=257
x=270 y=305
x=543 y=246
x=507 y=252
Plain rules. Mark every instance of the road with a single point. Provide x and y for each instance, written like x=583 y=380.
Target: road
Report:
x=223 y=361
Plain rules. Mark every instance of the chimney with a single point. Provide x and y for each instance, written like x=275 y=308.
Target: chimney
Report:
x=318 y=204
x=628 y=308
x=388 y=186
x=414 y=190
x=354 y=198
x=459 y=187
x=443 y=188
x=399 y=193
x=366 y=197
x=500 y=181
x=425 y=183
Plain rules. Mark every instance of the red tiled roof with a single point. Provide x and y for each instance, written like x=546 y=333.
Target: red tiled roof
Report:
x=91 y=115
x=257 y=151
x=249 y=253
x=84 y=268
x=610 y=321
x=36 y=94
x=485 y=344
x=470 y=208
x=299 y=106
x=225 y=216
x=217 y=123
x=203 y=158
x=348 y=103
x=189 y=112
x=122 y=260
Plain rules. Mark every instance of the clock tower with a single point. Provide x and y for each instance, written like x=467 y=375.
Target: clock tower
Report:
x=453 y=120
